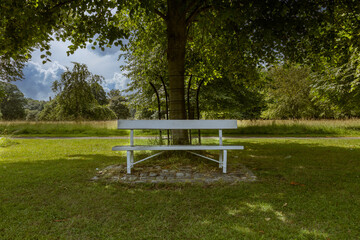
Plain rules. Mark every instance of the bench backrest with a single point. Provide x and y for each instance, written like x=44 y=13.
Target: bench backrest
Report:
x=177 y=124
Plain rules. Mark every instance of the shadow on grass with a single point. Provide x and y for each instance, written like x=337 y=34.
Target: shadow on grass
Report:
x=305 y=191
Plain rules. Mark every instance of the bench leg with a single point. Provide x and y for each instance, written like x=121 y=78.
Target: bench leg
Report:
x=132 y=158
x=225 y=161
x=128 y=161
x=220 y=159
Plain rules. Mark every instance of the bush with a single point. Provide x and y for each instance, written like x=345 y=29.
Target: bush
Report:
x=32 y=115
x=101 y=113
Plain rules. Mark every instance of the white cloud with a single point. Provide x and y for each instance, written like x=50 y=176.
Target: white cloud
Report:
x=50 y=72
x=118 y=81
x=39 y=77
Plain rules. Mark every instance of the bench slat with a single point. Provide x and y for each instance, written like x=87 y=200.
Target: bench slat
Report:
x=177 y=147
x=177 y=124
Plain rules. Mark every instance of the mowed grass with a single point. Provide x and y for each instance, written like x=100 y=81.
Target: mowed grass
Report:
x=306 y=189
x=304 y=128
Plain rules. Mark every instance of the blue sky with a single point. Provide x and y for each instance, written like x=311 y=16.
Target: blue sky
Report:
x=38 y=77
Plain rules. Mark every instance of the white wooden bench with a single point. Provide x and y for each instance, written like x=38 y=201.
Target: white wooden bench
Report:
x=176 y=124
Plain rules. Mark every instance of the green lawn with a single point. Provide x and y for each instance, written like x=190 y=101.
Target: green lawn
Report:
x=306 y=189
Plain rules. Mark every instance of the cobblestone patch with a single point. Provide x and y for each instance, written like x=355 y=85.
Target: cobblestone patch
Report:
x=185 y=174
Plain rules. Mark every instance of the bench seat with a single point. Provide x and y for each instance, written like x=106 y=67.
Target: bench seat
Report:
x=176 y=147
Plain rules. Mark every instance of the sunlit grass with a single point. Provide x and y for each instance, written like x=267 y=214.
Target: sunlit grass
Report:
x=306 y=189
x=350 y=127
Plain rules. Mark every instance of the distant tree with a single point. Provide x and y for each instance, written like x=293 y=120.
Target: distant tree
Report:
x=12 y=102
x=337 y=89
x=33 y=104
x=114 y=93
x=2 y=93
x=74 y=92
x=288 y=93
x=75 y=99
x=33 y=109
x=52 y=112
x=31 y=115
x=118 y=104
x=97 y=90
x=229 y=99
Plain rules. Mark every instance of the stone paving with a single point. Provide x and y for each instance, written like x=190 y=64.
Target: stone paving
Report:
x=182 y=174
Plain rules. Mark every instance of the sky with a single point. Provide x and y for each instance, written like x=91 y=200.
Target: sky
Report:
x=39 y=77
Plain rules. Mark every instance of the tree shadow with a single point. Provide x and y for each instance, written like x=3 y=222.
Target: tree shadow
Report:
x=305 y=191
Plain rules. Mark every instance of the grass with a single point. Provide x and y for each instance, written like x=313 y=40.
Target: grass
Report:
x=331 y=128
x=61 y=129
x=307 y=189
x=350 y=127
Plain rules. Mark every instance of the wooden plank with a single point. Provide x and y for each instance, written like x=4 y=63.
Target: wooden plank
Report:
x=177 y=147
x=177 y=124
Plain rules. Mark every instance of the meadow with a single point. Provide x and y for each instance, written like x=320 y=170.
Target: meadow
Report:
x=306 y=189
x=304 y=128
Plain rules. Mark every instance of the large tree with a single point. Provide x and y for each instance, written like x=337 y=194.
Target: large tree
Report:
x=272 y=27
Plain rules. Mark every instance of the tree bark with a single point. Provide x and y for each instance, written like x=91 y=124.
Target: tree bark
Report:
x=176 y=35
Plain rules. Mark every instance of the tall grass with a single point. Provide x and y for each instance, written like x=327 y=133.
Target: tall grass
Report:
x=90 y=128
x=350 y=127
x=309 y=128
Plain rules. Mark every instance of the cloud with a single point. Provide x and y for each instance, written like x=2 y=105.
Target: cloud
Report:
x=38 y=77
x=118 y=81
x=108 y=51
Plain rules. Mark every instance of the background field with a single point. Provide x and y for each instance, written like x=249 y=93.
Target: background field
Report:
x=306 y=189
x=245 y=128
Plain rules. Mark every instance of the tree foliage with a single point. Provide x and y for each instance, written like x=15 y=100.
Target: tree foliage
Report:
x=265 y=29
x=118 y=104
x=33 y=109
x=215 y=40
x=74 y=91
x=12 y=102
x=75 y=99
x=10 y=69
x=288 y=93
x=228 y=99
x=97 y=90
x=338 y=89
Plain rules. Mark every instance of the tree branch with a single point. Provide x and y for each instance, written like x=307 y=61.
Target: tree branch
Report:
x=191 y=5
x=163 y=16
x=195 y=13
x=156 y=11
x=60 y=4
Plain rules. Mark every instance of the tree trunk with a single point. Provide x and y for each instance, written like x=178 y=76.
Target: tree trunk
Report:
x=176 y=35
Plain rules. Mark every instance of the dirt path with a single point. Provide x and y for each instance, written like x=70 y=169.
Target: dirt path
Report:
x=151 y=137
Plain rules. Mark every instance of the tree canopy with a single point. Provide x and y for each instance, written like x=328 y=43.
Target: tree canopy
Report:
x=78 y=97
x=214 y=39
